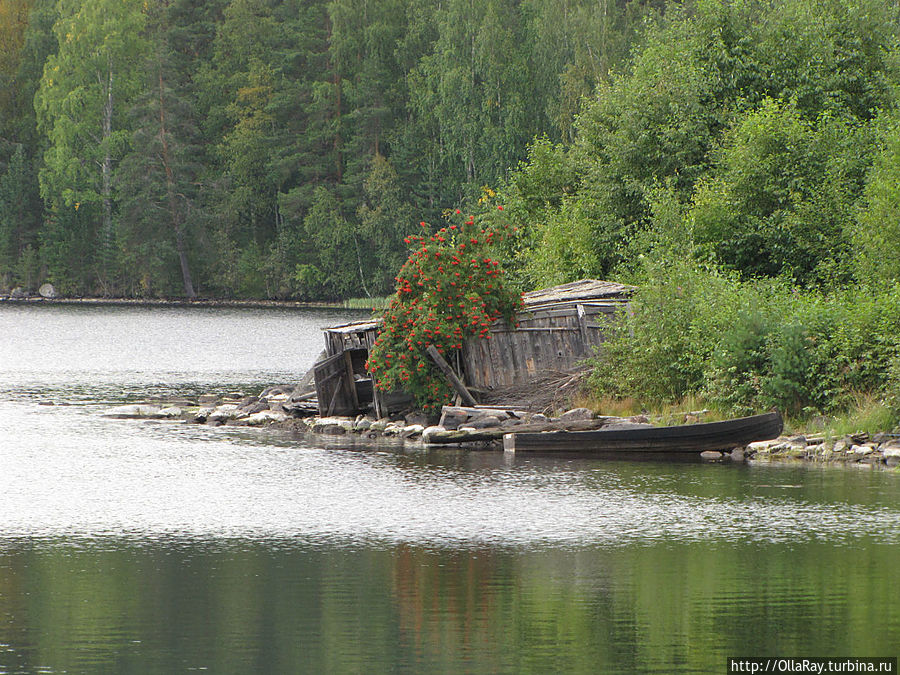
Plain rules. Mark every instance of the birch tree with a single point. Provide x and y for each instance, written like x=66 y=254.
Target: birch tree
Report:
x=85 y=90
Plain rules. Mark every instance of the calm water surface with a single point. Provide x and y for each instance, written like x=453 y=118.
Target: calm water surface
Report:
x=158 y=547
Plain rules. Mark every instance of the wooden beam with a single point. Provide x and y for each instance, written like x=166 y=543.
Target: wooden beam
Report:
x=460 y=388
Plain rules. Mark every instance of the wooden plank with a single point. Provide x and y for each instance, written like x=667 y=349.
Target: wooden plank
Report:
x=350 y=381
x=332 y=394
x=450 y=375
x=378 y=400
x=537 y=329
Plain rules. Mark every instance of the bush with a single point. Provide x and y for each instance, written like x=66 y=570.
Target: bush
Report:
x=451 y=288
x=751 y=346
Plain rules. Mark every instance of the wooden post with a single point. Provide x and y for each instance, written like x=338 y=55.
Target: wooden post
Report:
x=460 y=388
x=380 y=410
x=351 y=382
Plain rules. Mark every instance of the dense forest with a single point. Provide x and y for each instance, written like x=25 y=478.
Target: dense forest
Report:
x=272 y=148
x=285 y=149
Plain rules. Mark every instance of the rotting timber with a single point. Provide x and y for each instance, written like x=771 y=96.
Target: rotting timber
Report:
x=524 y=365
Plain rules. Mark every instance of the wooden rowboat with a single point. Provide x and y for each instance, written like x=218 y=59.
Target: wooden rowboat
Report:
x=725 y=435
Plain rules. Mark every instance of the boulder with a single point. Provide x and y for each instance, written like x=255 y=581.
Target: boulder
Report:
x=264 y=417
x=411 y=430
x=17 y=293
x=226 y=412
x=576 y=415
x=48 y=292
x=428 y=432
x=760 y=446
x=135 y=411
x=208 y=399
x=392 y=429
x=380 y=424
x=711 y=455
x=203 y=414
x=256 y=407
x=328 y=425
x=842 y=445
x=171 y=412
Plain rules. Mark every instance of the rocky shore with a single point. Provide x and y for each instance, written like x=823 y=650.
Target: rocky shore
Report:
x=484 y=427
x=880 y=450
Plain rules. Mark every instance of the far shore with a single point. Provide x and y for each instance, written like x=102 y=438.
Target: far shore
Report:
x=180 y=302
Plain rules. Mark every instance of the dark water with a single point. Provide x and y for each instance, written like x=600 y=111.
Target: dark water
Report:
x=160 y=548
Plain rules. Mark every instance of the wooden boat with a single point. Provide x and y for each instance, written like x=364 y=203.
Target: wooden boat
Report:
x=725 y=435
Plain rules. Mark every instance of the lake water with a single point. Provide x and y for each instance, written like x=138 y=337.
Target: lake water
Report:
x=161 y=547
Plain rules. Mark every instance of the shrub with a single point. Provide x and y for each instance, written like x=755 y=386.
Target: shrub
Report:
x=750 y=346
x=451 y=288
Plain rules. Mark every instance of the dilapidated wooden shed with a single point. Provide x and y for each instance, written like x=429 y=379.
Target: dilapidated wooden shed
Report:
x=557 y=330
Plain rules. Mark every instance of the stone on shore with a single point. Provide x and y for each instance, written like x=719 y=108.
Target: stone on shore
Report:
x=262 y=417
x=576 y=415
x=226 y=412
x=330 y=425
x=412 y=430
x=171 y=412
x=136 y=411
x=48 y=292
x=711 y=455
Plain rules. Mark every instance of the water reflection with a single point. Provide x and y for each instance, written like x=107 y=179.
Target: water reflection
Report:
x=156 y=547
x=244 y=607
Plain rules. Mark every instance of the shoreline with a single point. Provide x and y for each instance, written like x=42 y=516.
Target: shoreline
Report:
x=164 y=302
x=273 y=409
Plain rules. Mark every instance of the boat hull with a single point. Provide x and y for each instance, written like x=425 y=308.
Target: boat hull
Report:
x=725 y=435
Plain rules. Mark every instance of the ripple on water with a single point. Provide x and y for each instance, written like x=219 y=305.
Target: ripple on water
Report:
x=99 y=478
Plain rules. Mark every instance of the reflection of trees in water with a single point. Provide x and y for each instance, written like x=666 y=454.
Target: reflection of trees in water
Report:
x=500 y=611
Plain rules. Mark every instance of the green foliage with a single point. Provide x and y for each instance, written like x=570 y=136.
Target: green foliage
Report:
x=758 y=115
x=750 y=346
x=658 y=347
x=779 y=200
x=877 y=234
x=450 y=289
x=304 y=134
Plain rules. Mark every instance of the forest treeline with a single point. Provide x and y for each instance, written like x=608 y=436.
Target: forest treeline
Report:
x=272 y=148
x=285 y=148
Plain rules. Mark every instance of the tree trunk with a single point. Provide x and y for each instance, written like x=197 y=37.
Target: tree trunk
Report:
x=106 y=181
x=172 y=197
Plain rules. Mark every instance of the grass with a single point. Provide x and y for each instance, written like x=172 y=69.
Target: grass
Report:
x=663 y=414
x=866 y=413
x=374 y=304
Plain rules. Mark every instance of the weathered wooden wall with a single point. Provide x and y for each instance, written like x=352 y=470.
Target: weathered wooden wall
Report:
x=552 y=339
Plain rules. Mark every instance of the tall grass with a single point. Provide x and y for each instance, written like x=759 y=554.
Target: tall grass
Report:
x=375 y=303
